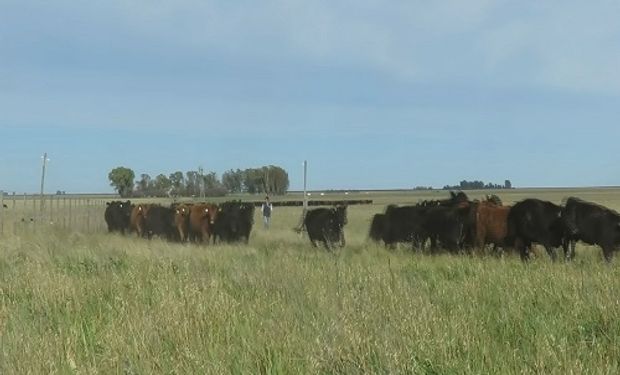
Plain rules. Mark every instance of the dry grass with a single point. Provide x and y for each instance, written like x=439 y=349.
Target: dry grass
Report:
x=74 y=303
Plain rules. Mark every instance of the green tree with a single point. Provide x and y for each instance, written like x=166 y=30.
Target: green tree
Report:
x=192 y=183
x=269 y=179
x=144 y=185
x=121 y=178
x=162 y=185
x=233 y=180
x=278 y=180
x=177 y=181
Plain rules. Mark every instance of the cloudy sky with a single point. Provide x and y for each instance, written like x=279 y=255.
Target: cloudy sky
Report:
x=373 y=94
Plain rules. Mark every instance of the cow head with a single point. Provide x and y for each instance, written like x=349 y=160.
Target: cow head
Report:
x=341 y=215
x=181 y=213
x=211 y=211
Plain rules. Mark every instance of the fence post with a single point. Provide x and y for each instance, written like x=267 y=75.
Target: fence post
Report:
x=87 y=215
x=51 y=203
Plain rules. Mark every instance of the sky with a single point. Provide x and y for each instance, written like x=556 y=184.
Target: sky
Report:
x=373 y=94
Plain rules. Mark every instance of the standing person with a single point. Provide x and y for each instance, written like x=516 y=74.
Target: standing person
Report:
x=266 y=209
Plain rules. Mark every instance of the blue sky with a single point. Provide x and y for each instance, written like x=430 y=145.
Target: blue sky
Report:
x=373 y=94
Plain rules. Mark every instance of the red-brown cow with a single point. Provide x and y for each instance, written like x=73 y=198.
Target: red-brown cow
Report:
x=181 y=219
x=490 y=223
x=136 y=221
x=201 y=220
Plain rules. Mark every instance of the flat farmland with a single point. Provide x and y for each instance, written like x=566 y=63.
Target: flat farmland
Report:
x=78 y=300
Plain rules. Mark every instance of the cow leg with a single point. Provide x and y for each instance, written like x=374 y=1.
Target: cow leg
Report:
x=433 y=244
x=326 y=243
x=551 y=251
x=498 y=251
x=608 y=252
x=523 y=249
x=573 y=244
x=568 y=246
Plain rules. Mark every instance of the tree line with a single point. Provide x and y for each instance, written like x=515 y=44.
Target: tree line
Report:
x=478 y=185
x=269 y=179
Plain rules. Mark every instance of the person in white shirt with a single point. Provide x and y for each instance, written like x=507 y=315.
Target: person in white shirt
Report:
x=266 y=209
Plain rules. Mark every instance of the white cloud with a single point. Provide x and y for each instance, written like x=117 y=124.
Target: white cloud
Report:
x=567 y=45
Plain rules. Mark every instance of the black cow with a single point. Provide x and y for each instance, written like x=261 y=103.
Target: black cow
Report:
x=434 y=219
x=592 y=224
x=234 y=222
x=159 y=221
x=326 y=225
x=404 y=224
x=448 y=226
x=4 y=206
x=535 y=221
x=117 y=214
x=377 y=228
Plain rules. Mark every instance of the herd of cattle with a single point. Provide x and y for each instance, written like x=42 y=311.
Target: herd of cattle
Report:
x=207 y=222
x=459 y=224
x=456 y=224
x=228 y=222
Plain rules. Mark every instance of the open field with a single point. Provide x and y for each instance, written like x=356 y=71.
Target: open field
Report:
x=77 y=301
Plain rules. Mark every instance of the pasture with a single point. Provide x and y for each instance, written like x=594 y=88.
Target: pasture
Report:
x=78 y=300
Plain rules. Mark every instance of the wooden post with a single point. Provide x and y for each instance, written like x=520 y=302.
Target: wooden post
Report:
x=45 y=160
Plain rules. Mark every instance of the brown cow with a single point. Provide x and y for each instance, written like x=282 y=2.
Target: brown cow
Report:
x=136 y=221
x=181 y=219
x=490 y=223
x=201 y=221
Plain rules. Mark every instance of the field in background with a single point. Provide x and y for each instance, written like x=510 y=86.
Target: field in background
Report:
x=75 y=299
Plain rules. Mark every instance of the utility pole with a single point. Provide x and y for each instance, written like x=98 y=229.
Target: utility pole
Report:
x=300 y=227
x=202 y=182
x=45 y=160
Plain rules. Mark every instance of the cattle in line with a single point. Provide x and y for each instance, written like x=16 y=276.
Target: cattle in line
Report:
x=590 y=223
x=181 y=219
x=489 y=219
x=202 y=221
x=442 y=221
x=234 y=222
x=137 y=219
x=159 y=221
x=117 y=215
x=535 y=221
x=326 y=225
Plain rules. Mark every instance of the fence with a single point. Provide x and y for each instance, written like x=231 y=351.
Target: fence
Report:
x=28 y=213
x=24 y=214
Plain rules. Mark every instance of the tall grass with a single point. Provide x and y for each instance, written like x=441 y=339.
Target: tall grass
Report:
x=73 y=303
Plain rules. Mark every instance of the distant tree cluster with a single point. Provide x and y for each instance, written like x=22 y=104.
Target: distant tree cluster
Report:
x=423 y=188
x=478 y=185
x=265 y=180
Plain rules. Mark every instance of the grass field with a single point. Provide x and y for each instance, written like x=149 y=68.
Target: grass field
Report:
x=96 y=303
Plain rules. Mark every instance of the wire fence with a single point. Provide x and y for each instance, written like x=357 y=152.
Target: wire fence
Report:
x=28 y=214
